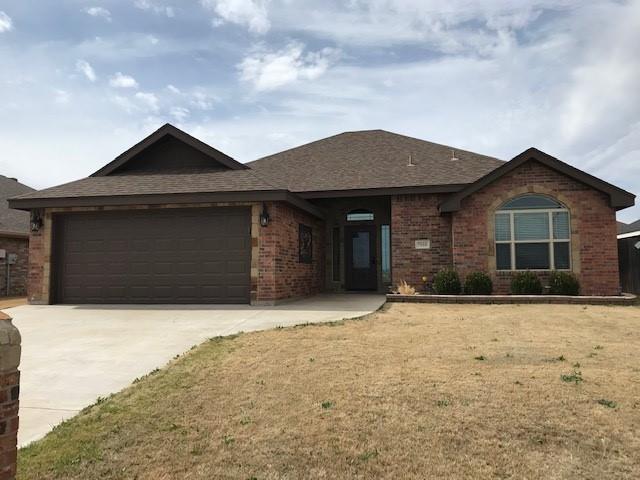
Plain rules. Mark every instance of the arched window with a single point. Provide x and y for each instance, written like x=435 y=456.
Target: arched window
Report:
x=359 y=215
x=532 y=232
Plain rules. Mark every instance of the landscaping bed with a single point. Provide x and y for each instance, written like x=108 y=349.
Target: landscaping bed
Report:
x=622 y=300
x=411 y=392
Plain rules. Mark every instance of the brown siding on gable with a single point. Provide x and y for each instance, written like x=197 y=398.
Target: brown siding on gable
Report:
x=18 y=271
x=416 y=217
x=281 y=274
x=594 y=253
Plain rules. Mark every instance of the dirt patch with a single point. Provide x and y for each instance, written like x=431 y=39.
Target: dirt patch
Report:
x=412 y=391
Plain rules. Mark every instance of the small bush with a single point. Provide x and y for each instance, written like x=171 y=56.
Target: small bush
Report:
x=478 y=283
x=526 y=283
x=447 y=282
x=563 y=283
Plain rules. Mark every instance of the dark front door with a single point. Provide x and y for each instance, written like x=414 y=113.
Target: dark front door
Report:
x=360 y=257
x=182 y=255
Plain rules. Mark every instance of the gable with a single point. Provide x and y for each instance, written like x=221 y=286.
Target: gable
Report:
x=169 y=150
x=618 y=198
x=169 y=155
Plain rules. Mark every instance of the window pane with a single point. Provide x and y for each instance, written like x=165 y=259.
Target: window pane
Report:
x=361 y=255
x=561 y=225
x=531 y=226
x=532 y=256
x=386 y=253
x=503 y=227
x=503 y=256
x=561 y=255
x=335 y=247
x=530 y=201
x=359 y=216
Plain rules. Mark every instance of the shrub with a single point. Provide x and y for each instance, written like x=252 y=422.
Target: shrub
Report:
x=563 y=283
x=447 y=282
x=478 y=283
x=526 y=283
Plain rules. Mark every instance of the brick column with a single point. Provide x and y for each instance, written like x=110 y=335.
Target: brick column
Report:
x=9 y=393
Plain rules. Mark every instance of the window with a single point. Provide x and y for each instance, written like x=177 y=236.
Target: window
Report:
x=359 y=215
x=385 y=250
x=532 y=232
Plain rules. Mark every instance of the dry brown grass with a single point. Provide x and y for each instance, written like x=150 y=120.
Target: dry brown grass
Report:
x=413 y=391
x=10 y=302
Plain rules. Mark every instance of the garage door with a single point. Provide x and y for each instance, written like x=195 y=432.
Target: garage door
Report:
x=165 y=256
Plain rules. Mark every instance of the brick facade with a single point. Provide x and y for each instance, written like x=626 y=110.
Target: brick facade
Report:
x=594 y=256
x=18 y=271
x=10 y=351
x=462 y=240
x=281 y=274
x=416 y=217
x=276 y=273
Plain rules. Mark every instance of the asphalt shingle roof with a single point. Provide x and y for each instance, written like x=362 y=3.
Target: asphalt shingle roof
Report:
x=12 y=221
x=223 y=181
x=371 y=159
x=629 y=227
x=354 y=160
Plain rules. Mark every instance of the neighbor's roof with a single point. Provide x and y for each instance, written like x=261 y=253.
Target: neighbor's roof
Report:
x=371 y=159
x=629 y=227
x=12 y=221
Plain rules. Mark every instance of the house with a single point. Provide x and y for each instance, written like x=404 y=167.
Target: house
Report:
x=629 y=256
x=14 y=240
x=173 y=220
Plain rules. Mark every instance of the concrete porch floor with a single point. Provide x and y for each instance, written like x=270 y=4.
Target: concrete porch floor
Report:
x=71 y=355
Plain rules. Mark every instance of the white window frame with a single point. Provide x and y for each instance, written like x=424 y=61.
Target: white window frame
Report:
x=551 y=241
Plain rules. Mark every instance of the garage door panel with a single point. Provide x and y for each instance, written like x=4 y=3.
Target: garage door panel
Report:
x=153 y=256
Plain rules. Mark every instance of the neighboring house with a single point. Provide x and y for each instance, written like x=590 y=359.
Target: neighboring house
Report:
x=629 y=256
x=14 y=240
x=173 y=220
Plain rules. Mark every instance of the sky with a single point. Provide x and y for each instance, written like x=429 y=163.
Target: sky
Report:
x=81 y=81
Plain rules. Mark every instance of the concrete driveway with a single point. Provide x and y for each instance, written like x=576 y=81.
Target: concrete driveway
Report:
x=73 y=354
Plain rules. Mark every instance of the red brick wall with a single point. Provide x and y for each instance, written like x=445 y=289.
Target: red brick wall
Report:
x=415 y=217
x=593 y=227
x=281 y=275
x=9 y=396
x=18 y=283
x=35 y=274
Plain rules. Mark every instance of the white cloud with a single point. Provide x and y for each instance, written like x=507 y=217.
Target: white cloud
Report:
x=180 y=113
x=250 y=13
x=99 y=12
x=86 y=69
x=270 y=70
x=119 y=80
x=6 y=23
x=173 y=89
x=61 y=97
x=148 y=100
x=151 y=5
x=202 y=100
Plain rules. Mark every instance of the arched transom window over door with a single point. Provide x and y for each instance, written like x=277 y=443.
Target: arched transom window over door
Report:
x=532 y=232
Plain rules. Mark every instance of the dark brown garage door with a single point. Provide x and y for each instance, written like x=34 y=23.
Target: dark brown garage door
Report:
x=198 y=255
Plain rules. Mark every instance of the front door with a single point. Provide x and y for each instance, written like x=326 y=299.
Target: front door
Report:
x=360 y=257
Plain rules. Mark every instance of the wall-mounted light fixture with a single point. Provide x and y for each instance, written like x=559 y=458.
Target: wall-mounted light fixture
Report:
x=264 y=216
x=36 y=220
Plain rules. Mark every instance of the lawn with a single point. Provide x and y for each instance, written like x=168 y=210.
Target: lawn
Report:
x=412 y=391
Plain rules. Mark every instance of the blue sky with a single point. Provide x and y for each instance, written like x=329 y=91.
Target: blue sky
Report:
x=81 y=81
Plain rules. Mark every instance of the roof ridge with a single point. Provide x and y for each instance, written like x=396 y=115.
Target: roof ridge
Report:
x=351 y=132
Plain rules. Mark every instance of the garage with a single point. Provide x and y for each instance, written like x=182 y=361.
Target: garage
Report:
x=153 y=256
